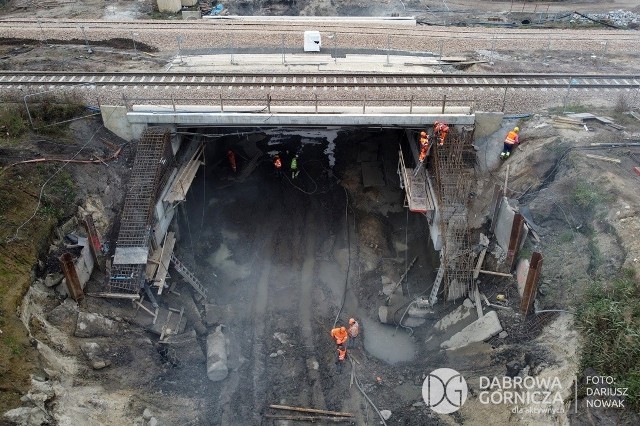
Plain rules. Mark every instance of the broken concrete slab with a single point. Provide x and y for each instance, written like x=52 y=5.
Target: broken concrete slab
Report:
x=453 y=317
x=478 y=331
x=52 y=280
x=94 y=325
x=65 y=315
x=217 y=356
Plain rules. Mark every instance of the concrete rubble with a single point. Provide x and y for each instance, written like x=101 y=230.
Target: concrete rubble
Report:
x=217 y=368
x=478 y=331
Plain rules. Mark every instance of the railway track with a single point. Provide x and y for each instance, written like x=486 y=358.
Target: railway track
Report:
x=361 y=80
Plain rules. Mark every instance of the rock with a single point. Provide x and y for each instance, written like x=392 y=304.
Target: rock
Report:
x=99 y=365
x=386 y=414
x=94 y=325
x=64 y=315
x=479 y=330
x=96 y=355
x=217 y=356
x=52 y=280
x=153 y=421
x=25 y=416
x=281 y=337
x=503 y=335
x=146 y=414
x=468 y=304
x=417 y=312
x=417 y=404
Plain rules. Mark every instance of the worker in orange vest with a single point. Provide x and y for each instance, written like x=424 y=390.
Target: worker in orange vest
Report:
x=341 y=357
x=511 y=141
x=353 y=331
x=277 y=163
x=232 y=160
x=440 y=131
x=424 y=139
x=340 y=335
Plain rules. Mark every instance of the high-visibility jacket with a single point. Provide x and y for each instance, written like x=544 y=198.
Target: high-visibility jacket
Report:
x=423 y=154
x=512 y=138
x=339 y=335
x=354 y=329
x=424 y=141
x=277 y=163
x=294 y=163
x=441 y=129
x=342 y=354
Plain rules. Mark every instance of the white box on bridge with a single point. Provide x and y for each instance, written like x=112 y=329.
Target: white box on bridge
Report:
x=312 y=41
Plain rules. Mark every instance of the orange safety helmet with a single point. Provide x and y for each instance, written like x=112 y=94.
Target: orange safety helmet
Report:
x=351 y=321
x=423 y=133
x=435 y=123
x=343 y=329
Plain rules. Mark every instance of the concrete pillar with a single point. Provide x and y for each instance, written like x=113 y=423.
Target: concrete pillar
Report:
x=171 y=6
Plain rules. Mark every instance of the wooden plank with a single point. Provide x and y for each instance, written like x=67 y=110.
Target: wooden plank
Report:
x=499 y=274
x=165 y=259
x=478 y=303
x=310 y=410
x=600 y=157
x=184 y=178
x=152 y=264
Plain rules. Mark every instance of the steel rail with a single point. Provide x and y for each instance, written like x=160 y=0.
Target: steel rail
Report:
x=395 y=80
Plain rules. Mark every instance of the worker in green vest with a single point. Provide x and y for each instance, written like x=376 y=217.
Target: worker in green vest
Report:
x=294 y=167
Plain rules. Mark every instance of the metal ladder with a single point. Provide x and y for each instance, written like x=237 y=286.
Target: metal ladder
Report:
x=433 y=297
x=188 y=276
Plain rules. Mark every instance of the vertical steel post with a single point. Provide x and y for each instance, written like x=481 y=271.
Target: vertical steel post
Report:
x=73 y=282
x=444 y=103
x=94 y=241
x=514 y=240
x=411 y=105
x=531 y=285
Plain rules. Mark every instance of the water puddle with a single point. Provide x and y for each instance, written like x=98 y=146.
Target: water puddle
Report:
x=387 y=344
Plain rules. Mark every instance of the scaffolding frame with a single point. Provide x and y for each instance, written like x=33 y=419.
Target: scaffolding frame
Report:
x=453 y=174
x=149 y=173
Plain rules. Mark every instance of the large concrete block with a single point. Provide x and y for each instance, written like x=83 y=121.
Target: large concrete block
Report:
x=479 y=330
x=487 y=123
x=115 y=119
x=522 y=272
x=217 y=356
x=171 y=6
x=191 y=14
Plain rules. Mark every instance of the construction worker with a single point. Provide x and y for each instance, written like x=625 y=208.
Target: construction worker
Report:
x=340 y=335
x=440 y=131
x=341 y=357
x=294 y=167
x=353 y=331
x=424 y=139
x=232 y=160
x=511 y=141
x=277 y=163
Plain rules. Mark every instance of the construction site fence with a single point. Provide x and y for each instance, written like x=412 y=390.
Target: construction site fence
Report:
x=265 y=103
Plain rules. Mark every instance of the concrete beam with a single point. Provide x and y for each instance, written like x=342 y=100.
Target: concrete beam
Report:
x=292 y=119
